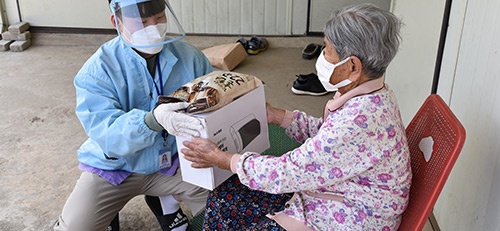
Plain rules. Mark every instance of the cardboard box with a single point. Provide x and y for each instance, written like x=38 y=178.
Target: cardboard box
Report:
x=237 y=127
x=226 y=56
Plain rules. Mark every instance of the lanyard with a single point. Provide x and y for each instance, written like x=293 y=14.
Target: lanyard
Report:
x=159 y=90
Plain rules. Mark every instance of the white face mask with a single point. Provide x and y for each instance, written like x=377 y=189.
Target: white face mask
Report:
x=325 y=70
x=143 y=38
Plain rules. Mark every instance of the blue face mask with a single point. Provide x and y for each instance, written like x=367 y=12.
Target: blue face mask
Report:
x=325 y=70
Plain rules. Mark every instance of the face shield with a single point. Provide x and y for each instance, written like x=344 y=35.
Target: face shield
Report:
x=146 y=24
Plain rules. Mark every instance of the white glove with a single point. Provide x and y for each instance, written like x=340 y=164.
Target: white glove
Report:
x=176 y=123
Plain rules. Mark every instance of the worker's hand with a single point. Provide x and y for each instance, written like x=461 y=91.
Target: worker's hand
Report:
x=177 y=123
x=204 y=153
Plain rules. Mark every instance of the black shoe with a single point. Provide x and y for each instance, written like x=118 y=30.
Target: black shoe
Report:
x=257 y=45
x=308 y=85
x=311 y=51
x=115 y=224
x=175 y=220
x=243 y=42
x=168 y=221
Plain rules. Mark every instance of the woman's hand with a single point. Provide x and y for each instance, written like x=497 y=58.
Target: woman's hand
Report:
x=204 y=153
x=274 y=115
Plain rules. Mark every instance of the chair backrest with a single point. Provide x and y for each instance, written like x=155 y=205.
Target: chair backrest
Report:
x=434 y=119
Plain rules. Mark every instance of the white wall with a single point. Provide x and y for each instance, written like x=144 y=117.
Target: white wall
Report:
x=471 y=197
x=322 y=9
x=261 y=17
x=61 y=13
x=237 y=17
x=411 y=72
x=469 y=83
x=242 y=17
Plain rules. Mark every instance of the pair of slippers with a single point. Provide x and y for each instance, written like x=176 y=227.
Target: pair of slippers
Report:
x=312 y=50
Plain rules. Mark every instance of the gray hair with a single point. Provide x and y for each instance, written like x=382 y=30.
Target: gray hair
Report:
x=367 y=32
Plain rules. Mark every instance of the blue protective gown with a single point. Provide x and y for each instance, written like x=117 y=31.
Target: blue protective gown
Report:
x=114 y=92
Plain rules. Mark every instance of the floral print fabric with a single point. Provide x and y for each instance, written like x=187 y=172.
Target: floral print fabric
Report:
x=232 y=206
x=359 y=152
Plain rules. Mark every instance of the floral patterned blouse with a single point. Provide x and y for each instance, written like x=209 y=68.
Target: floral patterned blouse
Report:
x=359 y=152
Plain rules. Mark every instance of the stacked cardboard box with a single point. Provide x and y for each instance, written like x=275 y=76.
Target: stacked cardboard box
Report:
x=16 y=38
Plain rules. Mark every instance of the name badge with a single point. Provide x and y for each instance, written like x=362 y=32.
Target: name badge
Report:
x=165 y=158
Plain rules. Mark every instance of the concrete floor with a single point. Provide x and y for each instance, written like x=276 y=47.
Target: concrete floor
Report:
x=40 y=133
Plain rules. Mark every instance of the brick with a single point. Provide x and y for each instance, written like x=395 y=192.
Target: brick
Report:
x=5 y=44
x=21 y=37
x=17 y=46
x=7 y=36
x=19 y=27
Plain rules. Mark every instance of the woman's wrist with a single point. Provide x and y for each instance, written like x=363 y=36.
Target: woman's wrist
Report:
x=278 y=116
x=234 y=163
x=287 y=119
x=224 y=160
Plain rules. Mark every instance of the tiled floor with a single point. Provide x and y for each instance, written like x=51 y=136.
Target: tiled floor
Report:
x=40 y=133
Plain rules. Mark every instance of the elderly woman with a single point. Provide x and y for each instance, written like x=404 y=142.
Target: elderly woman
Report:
x=352 y=171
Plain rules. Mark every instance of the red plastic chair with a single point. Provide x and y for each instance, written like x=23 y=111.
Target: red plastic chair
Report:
x=435 y=119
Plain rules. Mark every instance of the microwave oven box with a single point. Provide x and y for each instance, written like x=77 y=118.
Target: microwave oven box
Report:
x=237 y=127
